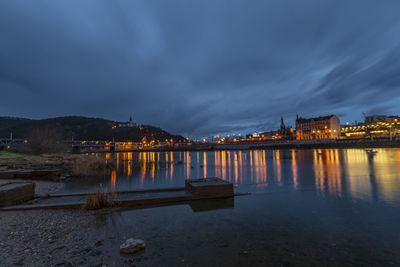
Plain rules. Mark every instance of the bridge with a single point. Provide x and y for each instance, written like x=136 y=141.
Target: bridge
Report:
x=7 y=142
x=77 y=146
x=103 y=146
x=83 y=146
x=90 y=146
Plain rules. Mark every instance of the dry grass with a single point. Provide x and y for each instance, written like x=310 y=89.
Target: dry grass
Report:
x=75 y=165
x=92 y=166
x=101 y=200
x=8 y=154
x=45 y=161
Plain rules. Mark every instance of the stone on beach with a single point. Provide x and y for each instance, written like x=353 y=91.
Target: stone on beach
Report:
x=14 y=193
x=132 y=245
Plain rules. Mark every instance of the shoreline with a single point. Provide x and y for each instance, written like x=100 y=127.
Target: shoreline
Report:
x=269 y=145
x=92 y=238
x=299 y=227
x=51 y=167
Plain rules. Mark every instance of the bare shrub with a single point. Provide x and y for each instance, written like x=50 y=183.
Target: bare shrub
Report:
x=101 y=200
x=45 y=140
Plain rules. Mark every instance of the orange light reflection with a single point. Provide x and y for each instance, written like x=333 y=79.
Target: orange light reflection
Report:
x=113 y=179
x=294 y=169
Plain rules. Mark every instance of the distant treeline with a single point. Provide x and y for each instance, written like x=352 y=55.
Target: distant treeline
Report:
x=83 y=128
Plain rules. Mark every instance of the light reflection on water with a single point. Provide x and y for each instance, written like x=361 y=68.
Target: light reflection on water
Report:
x=326 y=207
x=342 y=173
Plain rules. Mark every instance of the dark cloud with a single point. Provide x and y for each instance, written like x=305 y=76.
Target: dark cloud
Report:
x=200 y=67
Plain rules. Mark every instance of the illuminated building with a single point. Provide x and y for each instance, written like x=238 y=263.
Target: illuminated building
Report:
x=124 y=146
x=327 y=127
x=374 y=126
x=284 y=132
x=249 y=136
x=130 y=123
x=381 y=118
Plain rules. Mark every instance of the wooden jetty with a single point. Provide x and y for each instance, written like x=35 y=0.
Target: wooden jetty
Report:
x=195 y=189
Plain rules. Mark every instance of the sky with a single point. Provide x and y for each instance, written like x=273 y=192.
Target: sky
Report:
x=200 y=68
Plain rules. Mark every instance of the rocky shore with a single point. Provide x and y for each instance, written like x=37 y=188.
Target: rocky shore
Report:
x=41 y=188
x=176 y=236
x=60 y=238
x=45 y=238
x=51 y=167
x=48 y=237
x=37 y=162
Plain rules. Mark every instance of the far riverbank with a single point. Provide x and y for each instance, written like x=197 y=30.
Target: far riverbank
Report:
x=314 y=144
x=295 y=144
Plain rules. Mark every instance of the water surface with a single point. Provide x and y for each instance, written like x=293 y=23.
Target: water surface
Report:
x=340 y=173
x=307 y=208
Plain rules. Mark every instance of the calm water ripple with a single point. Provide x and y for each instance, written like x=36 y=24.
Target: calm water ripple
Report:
x=341 y=173
x=326 y=207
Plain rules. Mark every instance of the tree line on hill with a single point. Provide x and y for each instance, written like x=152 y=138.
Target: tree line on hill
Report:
x=82 y=128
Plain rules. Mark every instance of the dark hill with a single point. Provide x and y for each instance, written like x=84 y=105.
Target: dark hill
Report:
x=82 y=128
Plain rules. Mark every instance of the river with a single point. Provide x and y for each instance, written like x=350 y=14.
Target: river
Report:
x=348 y=173
x=328 y=207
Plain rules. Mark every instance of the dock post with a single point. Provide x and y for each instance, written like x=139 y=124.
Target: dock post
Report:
x=112 y=148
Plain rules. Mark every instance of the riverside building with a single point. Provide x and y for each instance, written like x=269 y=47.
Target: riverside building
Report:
x=327 y=127
x=374 y=126
x=284 y=133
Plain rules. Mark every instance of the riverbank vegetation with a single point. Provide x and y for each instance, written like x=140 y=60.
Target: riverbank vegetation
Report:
x=75 y=165
x=102 y=199
x=8 y=154
x=45 y=140
x=83 y=128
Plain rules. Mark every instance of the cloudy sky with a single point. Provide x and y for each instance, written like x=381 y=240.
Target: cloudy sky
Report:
x=200 y=68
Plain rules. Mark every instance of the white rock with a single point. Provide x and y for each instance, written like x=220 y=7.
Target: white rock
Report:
x=132 y=245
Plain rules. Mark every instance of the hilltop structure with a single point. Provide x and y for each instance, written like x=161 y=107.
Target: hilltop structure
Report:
x=130 y=123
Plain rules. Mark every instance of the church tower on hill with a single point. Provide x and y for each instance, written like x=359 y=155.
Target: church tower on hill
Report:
x=129 y=124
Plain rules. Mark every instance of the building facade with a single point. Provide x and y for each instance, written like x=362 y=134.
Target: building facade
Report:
x=381 y=118
x=129 y=124
x=327 y=127
x=284 y=133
